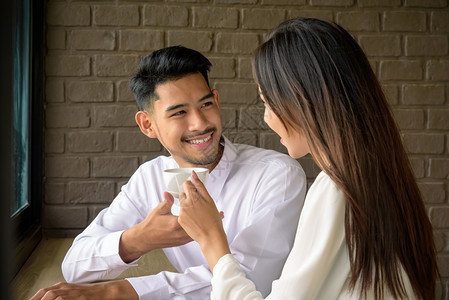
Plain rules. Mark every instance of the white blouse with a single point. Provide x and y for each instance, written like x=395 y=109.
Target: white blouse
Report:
x=318 y=264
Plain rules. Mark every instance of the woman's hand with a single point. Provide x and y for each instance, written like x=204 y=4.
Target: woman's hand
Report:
x=201 y=220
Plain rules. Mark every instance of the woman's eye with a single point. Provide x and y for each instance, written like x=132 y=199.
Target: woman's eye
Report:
x=261 y=101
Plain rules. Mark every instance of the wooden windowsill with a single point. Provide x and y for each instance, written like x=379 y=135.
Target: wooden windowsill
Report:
x=43 y=267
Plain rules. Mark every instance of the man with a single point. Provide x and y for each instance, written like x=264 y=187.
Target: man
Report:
x=260 y=192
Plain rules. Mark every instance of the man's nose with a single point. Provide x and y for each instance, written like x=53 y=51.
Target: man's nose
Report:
x=197 y=121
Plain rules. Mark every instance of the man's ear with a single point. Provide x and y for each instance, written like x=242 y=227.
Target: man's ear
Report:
x=146 y=124
x=216 y=97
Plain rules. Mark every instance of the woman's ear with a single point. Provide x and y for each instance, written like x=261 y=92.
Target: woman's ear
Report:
x=146 y=125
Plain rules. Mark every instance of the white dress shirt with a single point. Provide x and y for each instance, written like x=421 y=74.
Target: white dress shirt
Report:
x=261 y=193
x=318 y=265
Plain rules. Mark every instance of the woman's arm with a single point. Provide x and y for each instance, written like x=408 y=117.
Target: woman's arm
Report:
x=201 y=220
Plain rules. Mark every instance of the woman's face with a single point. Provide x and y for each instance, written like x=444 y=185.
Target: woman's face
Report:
x=295 y=142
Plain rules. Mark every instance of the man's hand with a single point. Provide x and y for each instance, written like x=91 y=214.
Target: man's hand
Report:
x=120 y=289
x=160 y=229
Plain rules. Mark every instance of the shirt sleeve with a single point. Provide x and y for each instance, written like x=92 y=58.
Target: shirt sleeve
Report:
x=319 y=251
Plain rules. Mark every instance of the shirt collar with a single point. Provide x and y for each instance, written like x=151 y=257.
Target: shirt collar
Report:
x=219 y=174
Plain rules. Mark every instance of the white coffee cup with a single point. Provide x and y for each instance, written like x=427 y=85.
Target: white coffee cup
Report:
x=174 y=178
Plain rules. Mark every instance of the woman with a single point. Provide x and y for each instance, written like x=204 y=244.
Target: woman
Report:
x=363 y=231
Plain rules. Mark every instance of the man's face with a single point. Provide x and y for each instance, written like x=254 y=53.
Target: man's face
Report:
x=186 y=120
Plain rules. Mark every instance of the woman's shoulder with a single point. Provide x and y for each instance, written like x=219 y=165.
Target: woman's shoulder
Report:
x=324 y=189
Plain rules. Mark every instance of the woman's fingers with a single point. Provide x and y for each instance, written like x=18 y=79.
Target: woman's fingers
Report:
x=199 y=186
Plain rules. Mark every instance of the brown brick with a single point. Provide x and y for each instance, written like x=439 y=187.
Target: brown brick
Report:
x=56 y=39
x=409 y=118
x=123 y=92
x=427 y=3
x=118 y=15
x=215 y=17
x=310 y=167
x=401 y=70
x=245 y=69
x=260 y=18
x=115 y=116
x=345 y=3
x=271 y=140
x=136 y=141
x=65 y=217
x=157 y=15
x=439 y=168
x=89 y=141
x=251 y=117
x=222 y=68
x=228 y=118
x=439 y=21
x=88 y=39
x=54 y=142
x=432 y=192
x=381 y=45
x=284 y=2
x=114 y=166
x=54 y=90
x=443 y=266
x=378 y=3
x=359 y=20
x=141 y=40
x=54 y=193
x=247 y=138
x=198 y=40
x=439 y=219
x=91 y=192
x=438 y=119
x=63 y=167
x=90 y=91
x=391 y=93
x=68 y=15
x=236 y=92
x=424 y=143
x=321 y=14
x=426 y=45
x=417 y=165
x=67 y=116
x=115 y=65
x=236 y=1
x=241 y=43
x=439 y=244
x=67 y=65
x=404 y=21
x=437 y=70
x=415 y=94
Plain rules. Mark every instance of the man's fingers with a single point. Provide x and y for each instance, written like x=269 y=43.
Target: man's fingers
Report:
x=164 y=208
x=169 y=198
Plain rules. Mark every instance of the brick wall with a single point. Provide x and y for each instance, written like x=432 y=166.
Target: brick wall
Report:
x=92 y=144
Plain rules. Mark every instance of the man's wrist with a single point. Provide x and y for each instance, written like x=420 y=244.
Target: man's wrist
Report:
x=128 y=249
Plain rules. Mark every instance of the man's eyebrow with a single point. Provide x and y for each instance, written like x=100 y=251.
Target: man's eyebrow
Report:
x=174 y=107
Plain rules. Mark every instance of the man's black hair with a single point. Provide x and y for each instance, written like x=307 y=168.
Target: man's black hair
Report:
x=164 y=65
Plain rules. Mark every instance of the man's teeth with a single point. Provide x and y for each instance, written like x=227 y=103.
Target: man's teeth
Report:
x=200 y=141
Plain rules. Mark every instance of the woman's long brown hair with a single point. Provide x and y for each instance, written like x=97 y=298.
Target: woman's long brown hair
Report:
x=317 y=80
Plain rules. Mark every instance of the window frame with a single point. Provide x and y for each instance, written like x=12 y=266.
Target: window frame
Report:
x=26 y=224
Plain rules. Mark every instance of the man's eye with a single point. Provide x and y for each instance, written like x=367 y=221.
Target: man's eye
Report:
x=207 y=104
x=178 y=113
